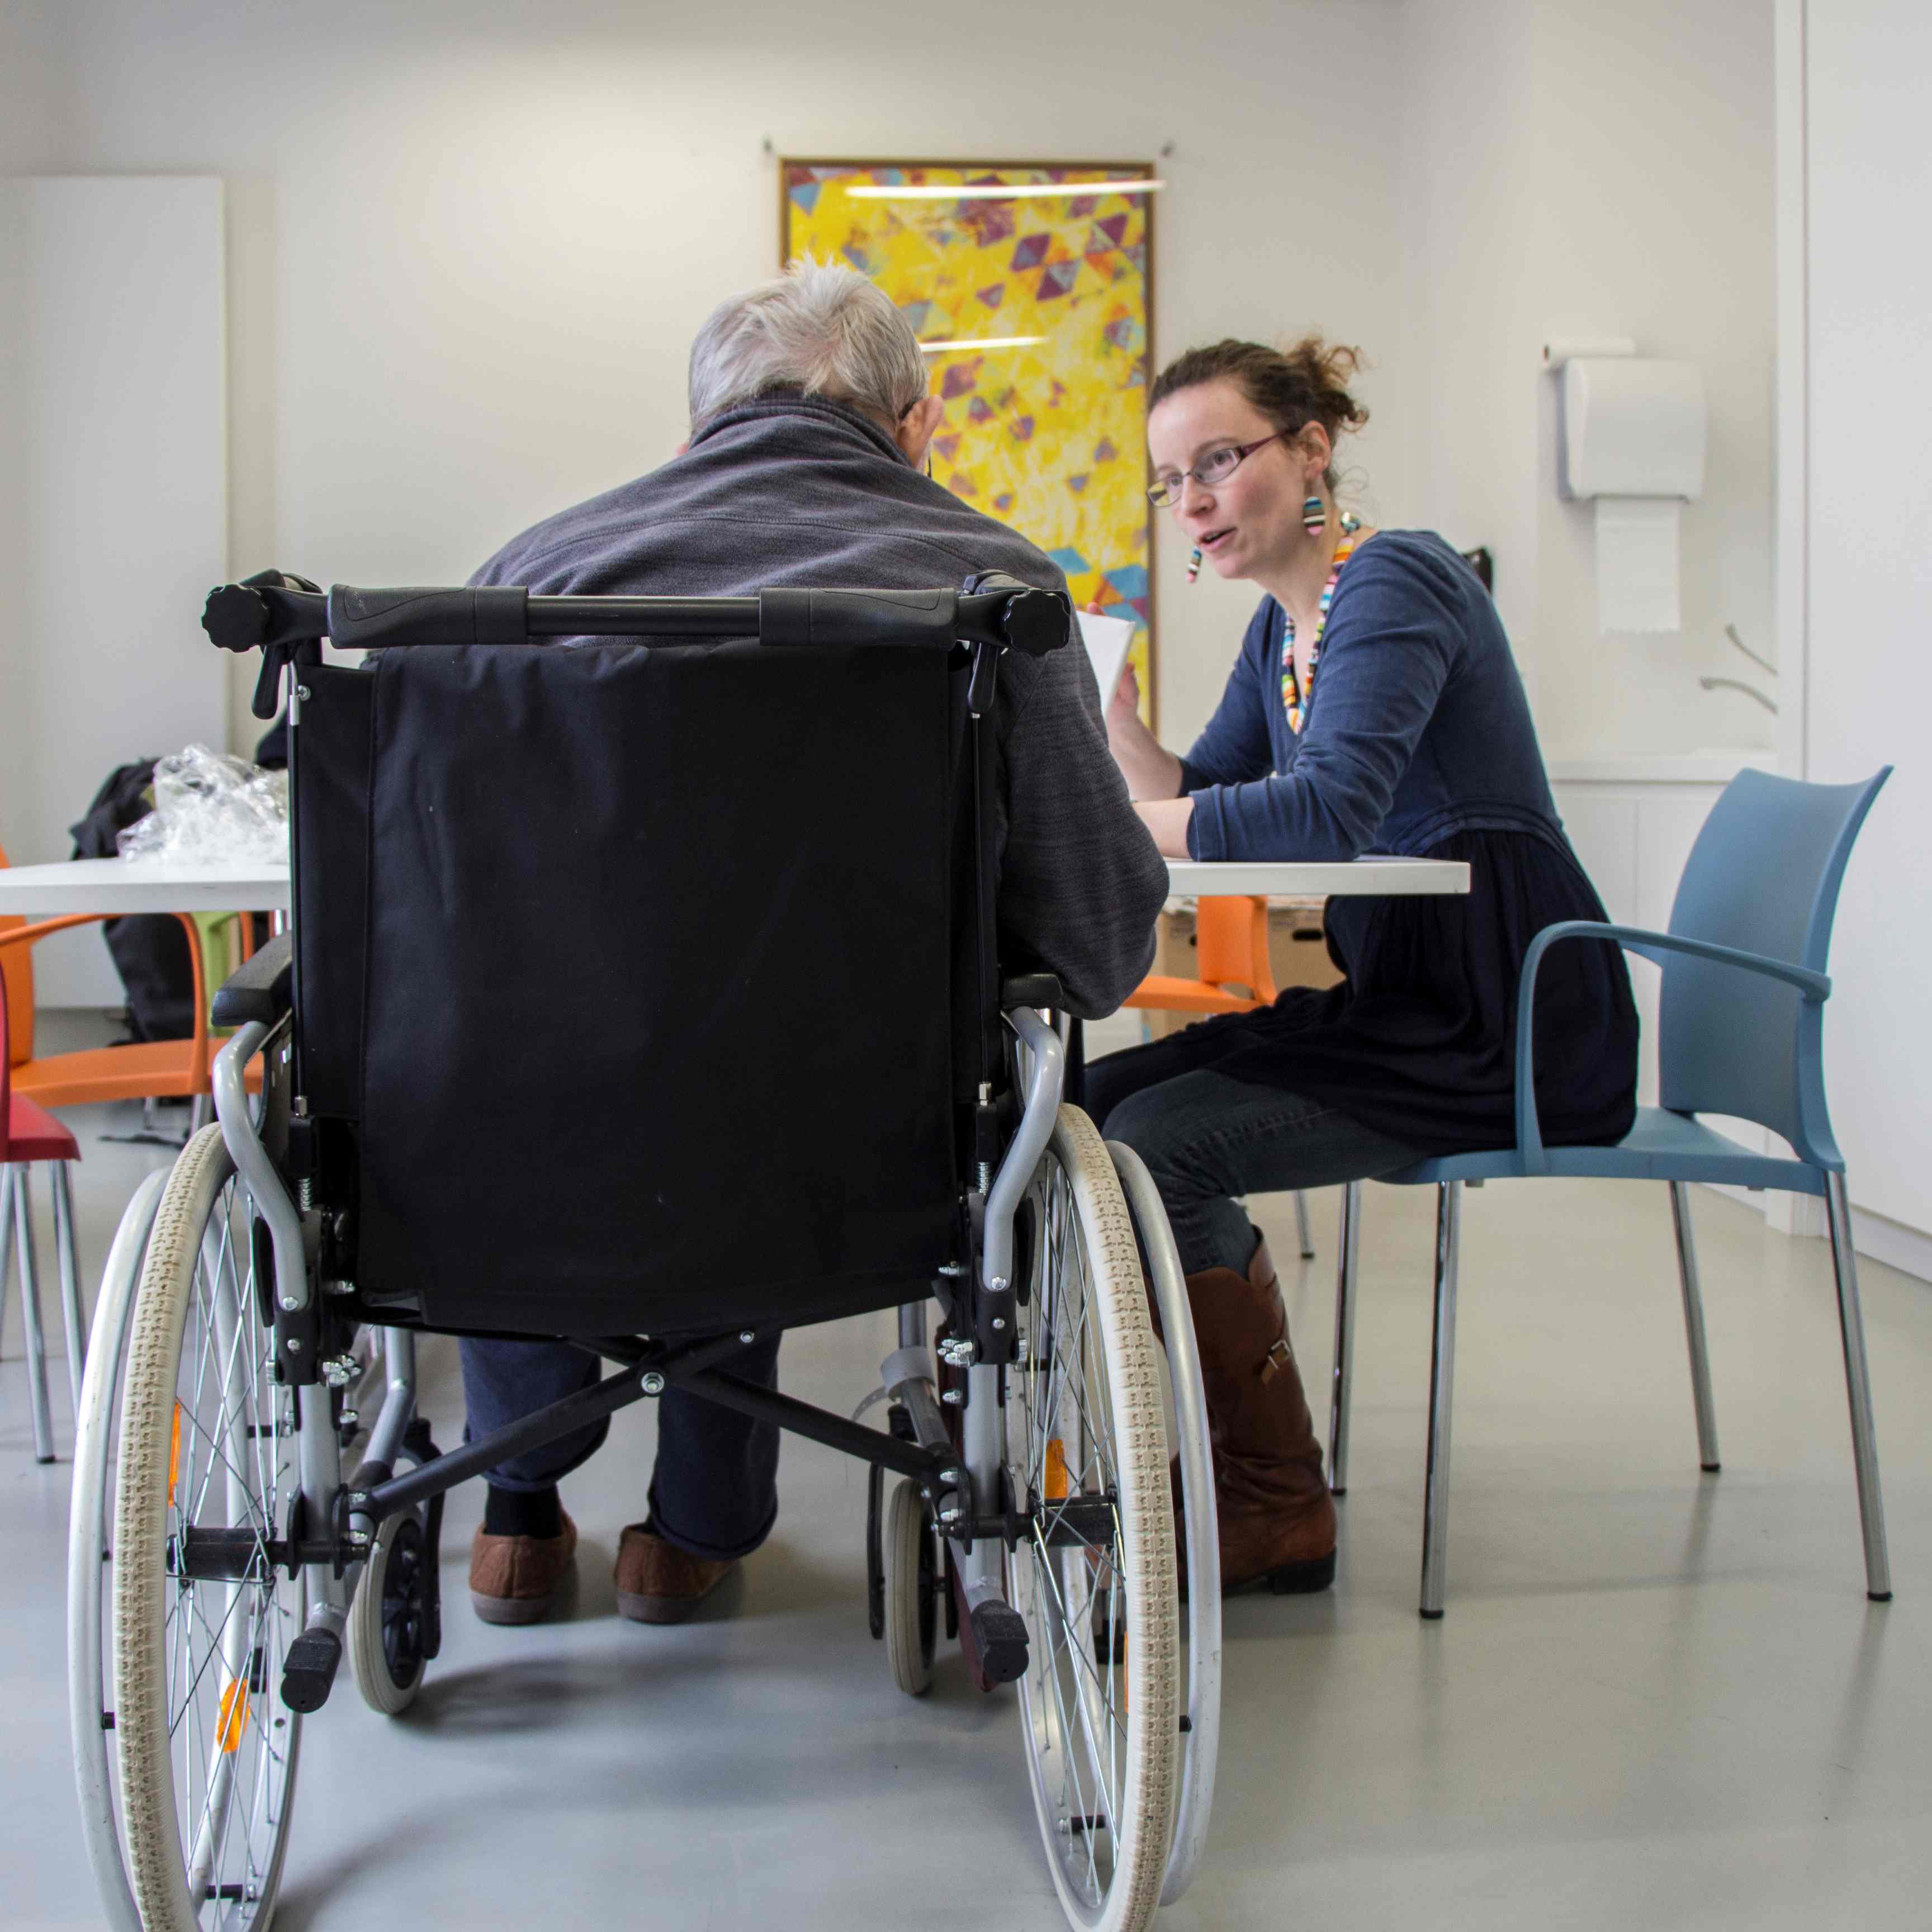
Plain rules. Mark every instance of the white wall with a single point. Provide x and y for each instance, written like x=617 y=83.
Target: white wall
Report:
x=123 y=506
x=1869 y=295
x=1573 y=168
x=29 y=86
x=469 y=243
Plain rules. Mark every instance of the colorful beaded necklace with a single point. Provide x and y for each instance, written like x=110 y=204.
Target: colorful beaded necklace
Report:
x=1293 y=697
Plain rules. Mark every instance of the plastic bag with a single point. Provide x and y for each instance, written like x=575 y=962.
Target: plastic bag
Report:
x=212 y=809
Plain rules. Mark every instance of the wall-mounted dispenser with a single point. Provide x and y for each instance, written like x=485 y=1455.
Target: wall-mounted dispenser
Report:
x=1632 y=439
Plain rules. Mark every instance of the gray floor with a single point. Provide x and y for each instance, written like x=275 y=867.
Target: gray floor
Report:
x=1658 y=1699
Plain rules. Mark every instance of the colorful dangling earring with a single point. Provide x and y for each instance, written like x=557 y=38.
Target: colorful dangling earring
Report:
x=1193 y=566
x=1314 y=515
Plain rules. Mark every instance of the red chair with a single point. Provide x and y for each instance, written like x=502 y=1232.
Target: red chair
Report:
x=29 y=1134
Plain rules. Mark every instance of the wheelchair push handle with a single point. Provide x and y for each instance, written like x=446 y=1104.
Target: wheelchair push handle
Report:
x=274 y=612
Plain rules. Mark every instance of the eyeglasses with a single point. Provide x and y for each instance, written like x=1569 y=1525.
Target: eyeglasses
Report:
x=1216 y=466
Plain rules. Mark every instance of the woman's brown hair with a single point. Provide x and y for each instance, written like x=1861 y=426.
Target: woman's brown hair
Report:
x=1292 y=387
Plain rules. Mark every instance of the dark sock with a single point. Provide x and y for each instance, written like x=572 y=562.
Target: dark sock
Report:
x=522 y=1512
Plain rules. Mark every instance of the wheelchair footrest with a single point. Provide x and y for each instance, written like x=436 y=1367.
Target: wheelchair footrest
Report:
x=999 y=1639
x=308 y=1673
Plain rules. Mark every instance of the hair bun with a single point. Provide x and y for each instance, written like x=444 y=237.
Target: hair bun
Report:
x=1307 y=382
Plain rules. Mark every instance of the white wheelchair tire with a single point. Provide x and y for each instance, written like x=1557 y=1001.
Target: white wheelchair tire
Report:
x=90 y=1546
x=1083 y=1211
x=381 y=1690
x=911 y=1605
x=157 y=1860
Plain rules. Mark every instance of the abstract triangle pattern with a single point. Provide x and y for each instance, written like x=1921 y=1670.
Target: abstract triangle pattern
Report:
x=1047 y=437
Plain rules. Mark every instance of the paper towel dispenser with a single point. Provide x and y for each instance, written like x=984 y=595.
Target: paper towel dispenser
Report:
x=1631 y=427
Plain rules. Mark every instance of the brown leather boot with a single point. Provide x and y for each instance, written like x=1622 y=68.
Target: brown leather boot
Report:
x=1276 y=1518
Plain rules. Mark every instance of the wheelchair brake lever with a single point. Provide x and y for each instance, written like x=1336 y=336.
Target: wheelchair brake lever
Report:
x=981 y=685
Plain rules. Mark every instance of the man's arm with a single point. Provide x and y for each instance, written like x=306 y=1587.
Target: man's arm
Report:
x=1081 y=883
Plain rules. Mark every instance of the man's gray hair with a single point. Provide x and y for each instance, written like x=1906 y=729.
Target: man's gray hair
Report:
x=820 y=329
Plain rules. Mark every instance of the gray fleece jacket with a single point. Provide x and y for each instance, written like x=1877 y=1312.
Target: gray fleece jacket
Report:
x=795 y=491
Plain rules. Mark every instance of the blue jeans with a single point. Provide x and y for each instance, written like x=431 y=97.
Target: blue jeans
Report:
x=1207 y=1139
x=714 y=1492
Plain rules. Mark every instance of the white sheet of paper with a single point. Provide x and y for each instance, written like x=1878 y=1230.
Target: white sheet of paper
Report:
x=1106 y=639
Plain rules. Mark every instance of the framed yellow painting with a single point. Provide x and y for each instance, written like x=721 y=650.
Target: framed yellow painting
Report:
x=1030 y=286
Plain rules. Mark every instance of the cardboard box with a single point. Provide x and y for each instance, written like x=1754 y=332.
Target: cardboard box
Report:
x=1297 y=954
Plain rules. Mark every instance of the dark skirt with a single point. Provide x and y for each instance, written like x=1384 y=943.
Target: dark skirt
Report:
x=1419 y=1040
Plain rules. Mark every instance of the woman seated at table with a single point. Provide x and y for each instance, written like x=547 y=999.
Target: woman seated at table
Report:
x=1374 y=707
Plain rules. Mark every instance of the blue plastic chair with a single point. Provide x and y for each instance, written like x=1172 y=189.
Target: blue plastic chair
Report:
x=1744 y=973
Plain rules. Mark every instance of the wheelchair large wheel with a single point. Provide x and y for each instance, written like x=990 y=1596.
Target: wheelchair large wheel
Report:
x=207 y=1445
x=90 y=1574
x=1095 y=1577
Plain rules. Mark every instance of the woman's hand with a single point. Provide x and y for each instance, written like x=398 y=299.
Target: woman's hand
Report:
x=1150 y=771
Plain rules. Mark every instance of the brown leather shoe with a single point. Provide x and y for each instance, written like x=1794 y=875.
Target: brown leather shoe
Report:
x=515 y=1579
x=1276 y=1518
x=659 y=1583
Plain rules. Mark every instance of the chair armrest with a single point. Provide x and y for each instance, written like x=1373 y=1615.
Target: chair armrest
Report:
x=261 y=988
x=1816 y=987
x=1032 y=989
x=31 y=935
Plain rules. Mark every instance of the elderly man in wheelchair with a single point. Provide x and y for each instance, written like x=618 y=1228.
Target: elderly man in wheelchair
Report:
x=810 y=422
x=497 y=1103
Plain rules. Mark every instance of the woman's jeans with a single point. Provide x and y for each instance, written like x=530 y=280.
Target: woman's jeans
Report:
x=1207 y=1138
x=714 y=1492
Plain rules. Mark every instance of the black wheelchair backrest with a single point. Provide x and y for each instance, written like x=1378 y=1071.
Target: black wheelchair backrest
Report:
x=627 y=976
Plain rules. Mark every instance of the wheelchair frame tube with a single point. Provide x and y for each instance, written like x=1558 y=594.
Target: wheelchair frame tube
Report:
x=320 y=1450
x=399 y=1402
x=982 y=1567
x=252 y=1163
x=1046 y=1078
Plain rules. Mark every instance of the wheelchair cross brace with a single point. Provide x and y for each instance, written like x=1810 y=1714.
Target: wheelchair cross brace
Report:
x=650 y=1368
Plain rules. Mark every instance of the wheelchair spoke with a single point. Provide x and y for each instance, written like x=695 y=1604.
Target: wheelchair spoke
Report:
x=1070 y=1623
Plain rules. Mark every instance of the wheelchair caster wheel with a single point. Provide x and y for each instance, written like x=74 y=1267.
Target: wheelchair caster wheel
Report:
x=912 y=1590
x=390 y=1637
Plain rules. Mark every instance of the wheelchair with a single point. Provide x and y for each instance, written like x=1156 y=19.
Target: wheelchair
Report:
x=862 y=1114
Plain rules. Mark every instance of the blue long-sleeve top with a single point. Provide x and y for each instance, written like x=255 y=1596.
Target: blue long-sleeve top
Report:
x=1418 y=727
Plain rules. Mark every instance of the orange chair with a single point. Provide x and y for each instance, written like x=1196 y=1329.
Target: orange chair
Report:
x=1231 y=933
x=161 y=1070
x=29 y=1137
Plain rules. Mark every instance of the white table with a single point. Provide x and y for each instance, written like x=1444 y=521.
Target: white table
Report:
x=140 y=885
x=1338 y=878
x=143 y=885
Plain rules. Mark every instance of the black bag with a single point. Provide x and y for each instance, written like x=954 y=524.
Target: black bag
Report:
x=149 y=950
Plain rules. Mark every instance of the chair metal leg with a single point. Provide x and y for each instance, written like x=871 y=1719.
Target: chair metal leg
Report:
x=67 y=1259
x=1301 y=1226
x=1441 y=1391
x=1693 y=1329
x=6 y=1246
x=30 y=1310
x=200 y=1113
x=1858 y=1390
x=1344 y=1382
